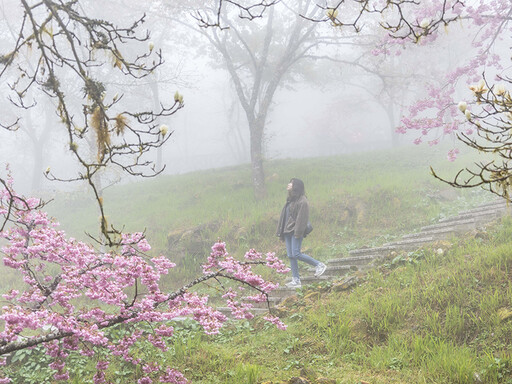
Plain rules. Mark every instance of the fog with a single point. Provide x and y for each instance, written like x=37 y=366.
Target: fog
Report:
x=324 y=106
x=208 y=133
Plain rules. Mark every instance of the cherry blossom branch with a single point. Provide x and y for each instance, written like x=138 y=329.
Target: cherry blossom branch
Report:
x=248 y=12
x=74 y=294
x=492 y=121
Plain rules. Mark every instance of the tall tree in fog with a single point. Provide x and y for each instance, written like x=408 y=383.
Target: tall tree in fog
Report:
x=257 y=68
x=39 y=120
x=261 y=56
x=40 y=139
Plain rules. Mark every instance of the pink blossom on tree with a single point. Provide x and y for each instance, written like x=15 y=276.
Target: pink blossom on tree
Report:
x=74 y=294
x=483 y=68
x=487 y=26
x=486 y=29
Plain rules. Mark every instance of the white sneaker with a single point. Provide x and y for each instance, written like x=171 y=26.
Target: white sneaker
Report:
x=295 y=283
x=320 y=269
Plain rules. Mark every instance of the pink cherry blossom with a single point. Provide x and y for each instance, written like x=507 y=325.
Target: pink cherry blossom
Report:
x=452 y=154
x=74 y=294
x=487 y=27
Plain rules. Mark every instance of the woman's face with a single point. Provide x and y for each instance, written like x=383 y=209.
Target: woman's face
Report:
x=289 y=187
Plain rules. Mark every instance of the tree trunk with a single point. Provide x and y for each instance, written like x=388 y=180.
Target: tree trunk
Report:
x=37 y=173
x=237 y=142
x=395 y=137
x=258 y=176
x=156 y=105
x=37 y=151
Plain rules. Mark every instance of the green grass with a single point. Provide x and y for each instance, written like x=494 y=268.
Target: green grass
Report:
x=356 y=200
x=421 y=317
x=439 y=319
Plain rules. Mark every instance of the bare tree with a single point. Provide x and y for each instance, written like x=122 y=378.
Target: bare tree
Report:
x=493 y=126
x=212 y=14
x=261 y=56
x=398 y=16
x=69 y=47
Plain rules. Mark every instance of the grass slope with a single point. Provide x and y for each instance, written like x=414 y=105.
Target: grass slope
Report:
x=424 y=317
x=421 y=318
x=363 y=199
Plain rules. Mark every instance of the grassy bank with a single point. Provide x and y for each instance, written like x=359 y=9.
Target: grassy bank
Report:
x=423 y=317
x=427 y=317
x=356 y=200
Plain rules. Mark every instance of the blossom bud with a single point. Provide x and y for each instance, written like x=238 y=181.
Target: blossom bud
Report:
x=332 y=13
x=479 y=89
x=468 y=114
x=164 y=129
x=177 y=97
x=425 y=23
x=462 y=106
x=500 y=90
x=47 y=171
x=151 y=46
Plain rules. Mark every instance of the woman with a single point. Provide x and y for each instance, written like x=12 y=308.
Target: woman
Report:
x=291 y=228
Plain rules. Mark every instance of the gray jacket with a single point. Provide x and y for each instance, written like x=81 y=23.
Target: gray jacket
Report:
x=298 y=217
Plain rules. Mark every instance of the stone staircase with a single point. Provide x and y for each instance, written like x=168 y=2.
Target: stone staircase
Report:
x=342 y=269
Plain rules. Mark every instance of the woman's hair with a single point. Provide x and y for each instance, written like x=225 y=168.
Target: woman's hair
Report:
x=298 y=189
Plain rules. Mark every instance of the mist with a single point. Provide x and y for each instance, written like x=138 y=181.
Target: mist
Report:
x=340 y=99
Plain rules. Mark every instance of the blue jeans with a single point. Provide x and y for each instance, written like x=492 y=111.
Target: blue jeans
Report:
x=294 y=254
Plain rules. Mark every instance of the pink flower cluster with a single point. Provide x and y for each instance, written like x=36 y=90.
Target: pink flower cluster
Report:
x=487 y=27
x=220 y=261
x=74 y=294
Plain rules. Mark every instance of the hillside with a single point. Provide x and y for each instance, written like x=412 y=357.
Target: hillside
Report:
x=356 y=200
x=433 y=315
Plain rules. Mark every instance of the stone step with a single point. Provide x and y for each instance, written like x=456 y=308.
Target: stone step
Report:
x=411 y=243
x=495 y=201
x=378 y=251
x=498 y=200
x=272 y=301
x=441 y=233
x=310 y=279
x=283 y=292
x=340 y=270
x=353 y=260
x=482 y=216
x=463 y=224
x=336 y=270
x=455 y=219
x=483 y=210
x=498 y=204
x=479 y=217
x=226 y=311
